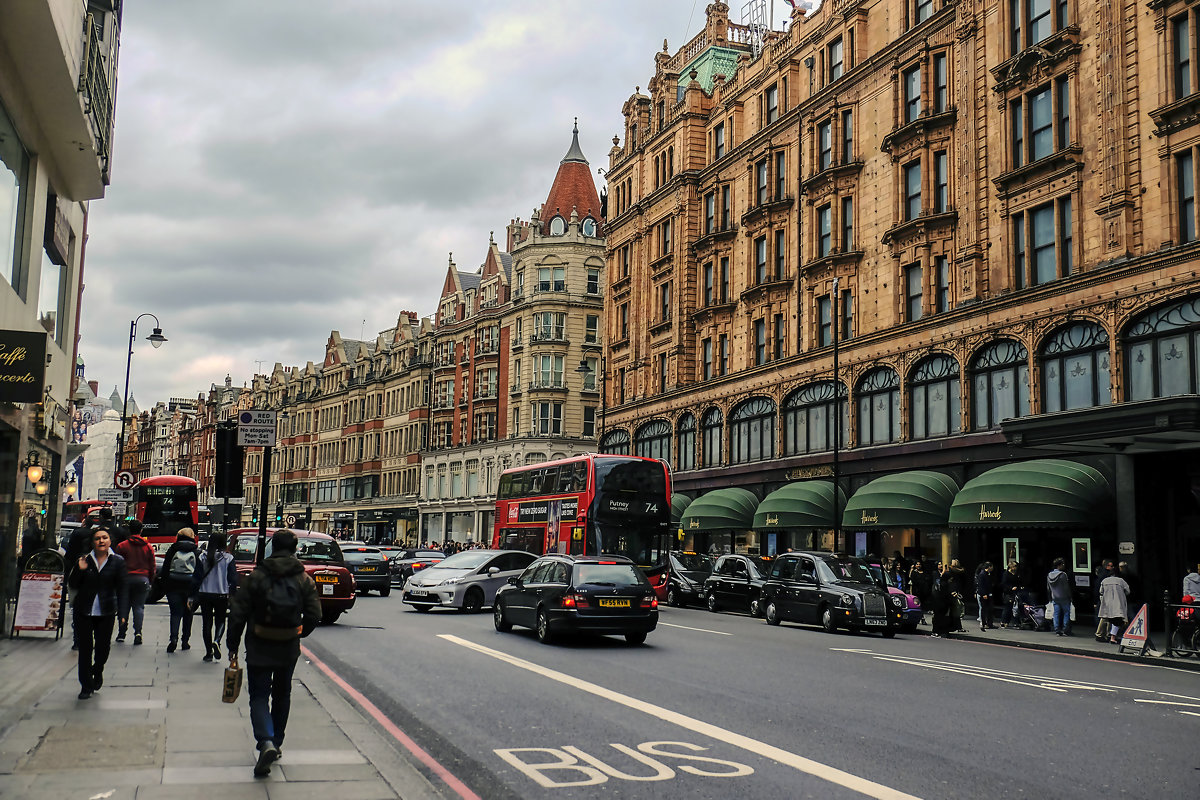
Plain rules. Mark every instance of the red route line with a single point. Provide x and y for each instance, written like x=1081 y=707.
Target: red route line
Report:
x=403 y=738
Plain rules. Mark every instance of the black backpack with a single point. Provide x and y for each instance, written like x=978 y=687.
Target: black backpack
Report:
x=279 y=615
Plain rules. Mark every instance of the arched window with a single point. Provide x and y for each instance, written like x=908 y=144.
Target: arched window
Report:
x=558 y=226
x=935 y=398
x=686 y=432
x=653 y=440
x=1161 y=349
x=711 y=427
x=615 y=443
x=1000 y=379
x=879 y=407
x=588 y=227
x=752 y=431
x=1075 y=370
x=808 y=415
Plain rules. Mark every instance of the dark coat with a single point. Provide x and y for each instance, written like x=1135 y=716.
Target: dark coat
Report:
x=251 y=593
x=78 y=546
x=169 y=584
x=983 y=583
x=1009 y=584
x=107 y=583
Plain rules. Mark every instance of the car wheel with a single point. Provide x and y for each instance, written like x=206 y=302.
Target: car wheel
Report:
x=636 y=638
x=543 y=627
x=712 y=603
x=473 y=602
x=755 y=606
x=499 y=620
x=889 y=633
x=772 y=614
x=385 y=591
x=672 y=598
x=330 y=617
x=827 y=623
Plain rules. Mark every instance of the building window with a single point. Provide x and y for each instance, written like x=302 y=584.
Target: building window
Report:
x=780 y=174
x=941 y=183
x=1075 y=368
x=626 y=260
x=1043 y=243
x=1034 y=20
x=809 y=416
x=780 y=254
x=664 y=302
x=934 y=401
x=591 y=333
x=653 y=440
x=847 y=136
x=941 y=266
x=824 y=145
x=662 y=372
x=760 y=259
x=719 y=141
x=760 y=342
x=1161 y=351
x=708 y=284
x=912 y=190
x=589 y=421
x=726 y=208
x=711 y=429
x=771 y=102
x=547 y=419
x=552 y=279
x=1182 y=45
x=911 y=80
x=913 y=292
x=941 y=85
x=549 y=372
x=615 y=443
x=847 y=329
x=724 y=279
x=1000 y=378
x=824 y=231
x=686 y=437
x=590 y=377
x=780 y=332
x=760 y=183
x=706 y=348
x=824 y=321
x=710 y=211
x=50 y=295
x=1184 y=167
x=847 y=224
x=14 y=180
x=664 y=238
x=752 y=431
x=1041 y=122
x=624 y=316
x=836 y=59
x=878 y=398
x=921 y=11
x=723 y=354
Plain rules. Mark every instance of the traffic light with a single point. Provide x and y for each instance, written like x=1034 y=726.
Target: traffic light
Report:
x=279 y=514
x=254 y=518
x=229 y=461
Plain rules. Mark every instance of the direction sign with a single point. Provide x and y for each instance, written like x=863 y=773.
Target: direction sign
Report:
x=256 y=429
x=110 y=495
x=124 y=479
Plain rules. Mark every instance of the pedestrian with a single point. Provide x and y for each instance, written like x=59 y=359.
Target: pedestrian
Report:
x=1009 y=585
x=1104 y=569
x=78 y=545
x=276 y=605
x=1191 y=582
x=983 y=595
x=1058 y=585
x=139 y=565
x=116 y=532
x=218 y=580
x=31 y=541
x=98 y=582
x=179 y=575
x=958 y=590
x=941 y=602
x=1114 y=606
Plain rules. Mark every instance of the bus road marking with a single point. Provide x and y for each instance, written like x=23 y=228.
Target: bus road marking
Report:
x=702 y=630
x=784 y=757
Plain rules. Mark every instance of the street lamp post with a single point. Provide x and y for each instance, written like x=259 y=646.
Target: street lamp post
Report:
x=585 y=369
x=156 y=338
x=834 y=311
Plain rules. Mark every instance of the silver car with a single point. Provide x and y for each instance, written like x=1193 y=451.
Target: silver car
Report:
x=467 y=581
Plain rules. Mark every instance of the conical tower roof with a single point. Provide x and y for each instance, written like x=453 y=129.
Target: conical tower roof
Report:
x=573 y=189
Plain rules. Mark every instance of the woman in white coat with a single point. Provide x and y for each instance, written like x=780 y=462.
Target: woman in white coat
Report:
x=1114 y=605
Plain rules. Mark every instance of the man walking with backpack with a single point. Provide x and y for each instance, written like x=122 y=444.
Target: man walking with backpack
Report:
x=180 y=574
x=276 y=604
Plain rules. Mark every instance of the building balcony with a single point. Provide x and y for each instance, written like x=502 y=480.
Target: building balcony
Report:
x=548 y=337
x=551 y=385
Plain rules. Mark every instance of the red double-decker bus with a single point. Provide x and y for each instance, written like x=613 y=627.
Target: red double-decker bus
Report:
x=77 y=511
x=588 y=505
x=164 y=504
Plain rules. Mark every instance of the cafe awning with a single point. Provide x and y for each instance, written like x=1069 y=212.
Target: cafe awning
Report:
x=1047 y=492
x=914 y=499
x=720 y=510
x=679 y=504
x=803 y=504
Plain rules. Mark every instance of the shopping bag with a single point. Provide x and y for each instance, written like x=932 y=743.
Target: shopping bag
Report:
x=233 y=680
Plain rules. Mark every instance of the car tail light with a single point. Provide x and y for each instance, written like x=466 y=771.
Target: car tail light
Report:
x=606 y=562
x=417 y=565
x=575 y=601
x=650 y=601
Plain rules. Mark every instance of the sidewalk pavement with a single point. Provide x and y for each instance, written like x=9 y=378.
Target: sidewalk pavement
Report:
x=159 y=731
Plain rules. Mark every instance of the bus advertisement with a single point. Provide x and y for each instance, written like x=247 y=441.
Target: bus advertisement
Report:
x=588 y=505
x=164 y=504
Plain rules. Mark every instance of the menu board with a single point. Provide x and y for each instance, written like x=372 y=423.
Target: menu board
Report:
x=39 y=603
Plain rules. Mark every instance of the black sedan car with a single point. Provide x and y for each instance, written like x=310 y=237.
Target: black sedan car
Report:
x=370 y=569
x=685 y=584
x=579 y=594
x=406 y=562
x=832 y=591
x=736 y=583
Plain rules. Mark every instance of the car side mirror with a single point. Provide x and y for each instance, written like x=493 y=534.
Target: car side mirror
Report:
x=493 y=571
x=515 y=580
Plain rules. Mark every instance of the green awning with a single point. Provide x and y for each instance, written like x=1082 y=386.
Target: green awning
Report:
x=804 y=504
x=915 y=499
x=1048 y=492
x=679 y=504
x=720 y=510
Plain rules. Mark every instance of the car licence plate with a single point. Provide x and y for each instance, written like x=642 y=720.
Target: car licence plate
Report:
x=326 y=578
x=417 y=593
x=870 y=621
x=610 y=603
x=366 y=569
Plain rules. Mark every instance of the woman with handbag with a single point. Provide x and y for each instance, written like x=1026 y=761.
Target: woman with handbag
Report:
x=98 y=584
x=218 y=581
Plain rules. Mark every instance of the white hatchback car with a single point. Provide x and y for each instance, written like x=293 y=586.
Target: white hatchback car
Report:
x=467 y=581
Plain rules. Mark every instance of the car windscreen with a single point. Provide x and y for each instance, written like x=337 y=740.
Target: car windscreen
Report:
x=692 y=562
x=357 y=554
x=608 y=575
x=844 y=569
x=426 y=555
x=466 y=560
x=319 y=551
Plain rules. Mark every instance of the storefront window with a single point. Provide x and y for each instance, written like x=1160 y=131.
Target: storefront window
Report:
x=879 y=407
x=1000 y=376
x=935 y=399
x=752 y=431
x=1075 y=369
x=653 y=440
x=808 y=415
x=14 y=176
x=1161 y=349
x=615 y=443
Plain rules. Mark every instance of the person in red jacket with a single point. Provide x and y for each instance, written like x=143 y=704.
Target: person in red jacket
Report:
x=139 y=563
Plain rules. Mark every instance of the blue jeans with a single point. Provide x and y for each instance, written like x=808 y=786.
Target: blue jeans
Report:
x=1062 y=617
x=180 y=613
x=270 y=690
x=135 y=601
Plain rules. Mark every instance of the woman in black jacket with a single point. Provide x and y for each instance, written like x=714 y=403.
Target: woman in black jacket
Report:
x=98 y=585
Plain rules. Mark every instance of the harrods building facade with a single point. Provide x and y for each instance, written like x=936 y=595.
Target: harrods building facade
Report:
x=1002 y=193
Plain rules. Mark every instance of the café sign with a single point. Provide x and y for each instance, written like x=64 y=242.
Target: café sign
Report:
x=22 y=366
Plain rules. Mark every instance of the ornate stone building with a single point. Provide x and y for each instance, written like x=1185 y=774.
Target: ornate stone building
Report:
x=965 y=231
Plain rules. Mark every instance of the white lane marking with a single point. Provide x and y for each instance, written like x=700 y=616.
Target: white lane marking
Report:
x=1190 y=713
x=1166 y=703
x=969 y=672
x=702 y=630
x=815 y=768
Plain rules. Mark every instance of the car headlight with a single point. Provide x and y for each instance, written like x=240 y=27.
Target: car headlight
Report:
x=847 y=600
x=897 y=600
x=448 y=582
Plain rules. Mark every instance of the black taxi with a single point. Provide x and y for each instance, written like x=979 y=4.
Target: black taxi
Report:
x=830 y=590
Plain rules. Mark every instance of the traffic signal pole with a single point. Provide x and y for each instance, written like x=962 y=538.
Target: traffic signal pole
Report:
x=264 y=496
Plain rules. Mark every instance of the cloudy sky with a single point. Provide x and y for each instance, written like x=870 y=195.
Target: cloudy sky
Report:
x=282 y=169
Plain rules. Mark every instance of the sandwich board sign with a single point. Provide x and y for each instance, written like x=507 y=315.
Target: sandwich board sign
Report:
x=1137 y=636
